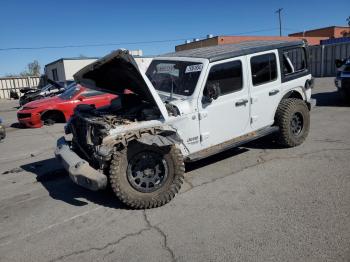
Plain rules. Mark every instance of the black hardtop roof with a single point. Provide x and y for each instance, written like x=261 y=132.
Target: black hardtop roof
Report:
x=220 y=52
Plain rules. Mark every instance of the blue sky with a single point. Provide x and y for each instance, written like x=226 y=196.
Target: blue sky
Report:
x=57 y=23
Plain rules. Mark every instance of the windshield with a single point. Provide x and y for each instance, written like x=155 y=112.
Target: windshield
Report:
x=70 y=92
x=70 y=85
x=178 y=77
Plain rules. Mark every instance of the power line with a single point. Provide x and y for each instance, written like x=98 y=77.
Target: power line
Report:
x=122 y=43
x=90 y=45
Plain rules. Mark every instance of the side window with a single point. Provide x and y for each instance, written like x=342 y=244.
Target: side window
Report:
x=294 y=60
x=91 y=93
x=264 y=68
x=227 y=76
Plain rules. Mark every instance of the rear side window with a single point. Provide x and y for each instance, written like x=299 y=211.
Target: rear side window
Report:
x=92 y=93
x=264 y=68
x=228 y=76
x=294 y=60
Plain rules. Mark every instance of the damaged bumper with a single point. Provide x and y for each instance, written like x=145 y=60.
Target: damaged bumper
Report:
x=79 y=170
x=312 y=103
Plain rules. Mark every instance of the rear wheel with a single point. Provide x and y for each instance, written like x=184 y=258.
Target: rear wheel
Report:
x=146 y=176
x=293 y=120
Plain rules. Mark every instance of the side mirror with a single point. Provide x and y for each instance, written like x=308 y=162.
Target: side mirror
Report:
x=211 y=91
x=81 y=98
x=338 y=63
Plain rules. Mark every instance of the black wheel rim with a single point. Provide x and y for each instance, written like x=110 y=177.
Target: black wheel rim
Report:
x=297 y=124
x=147 y=171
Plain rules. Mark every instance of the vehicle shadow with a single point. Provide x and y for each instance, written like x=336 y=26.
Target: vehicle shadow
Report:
x=190 y=166
x=267 y=142
x=56 y=181
x=330 y=99
x=18 y=125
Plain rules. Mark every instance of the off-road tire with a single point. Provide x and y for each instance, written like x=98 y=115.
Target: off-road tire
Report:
x=283 y=119
x=143 y=200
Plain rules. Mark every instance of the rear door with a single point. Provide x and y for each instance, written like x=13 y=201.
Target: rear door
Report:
x=265 y=87
x=226 y=117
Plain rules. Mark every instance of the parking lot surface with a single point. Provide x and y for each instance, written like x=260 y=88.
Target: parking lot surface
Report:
x=254 y=203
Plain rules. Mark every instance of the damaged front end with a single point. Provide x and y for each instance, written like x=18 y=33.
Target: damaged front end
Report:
x=138 y=114
x=98 y=133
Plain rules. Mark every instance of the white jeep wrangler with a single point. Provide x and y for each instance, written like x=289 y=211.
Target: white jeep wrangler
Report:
x=187 y=106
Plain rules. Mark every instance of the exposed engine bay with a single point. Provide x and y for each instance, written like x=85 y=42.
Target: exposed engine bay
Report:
x=89 y=125
x=125 y=109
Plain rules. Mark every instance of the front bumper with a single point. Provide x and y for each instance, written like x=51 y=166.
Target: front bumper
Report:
x=2 y=132
x=342 y=83
x=33 y=120
x=311 y=103
x=79 y=170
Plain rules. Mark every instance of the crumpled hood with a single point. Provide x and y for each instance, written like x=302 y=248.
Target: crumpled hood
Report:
x=116 y=72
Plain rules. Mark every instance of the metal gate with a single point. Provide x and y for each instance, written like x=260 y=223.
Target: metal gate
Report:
x=9 y=85
x=322 y=58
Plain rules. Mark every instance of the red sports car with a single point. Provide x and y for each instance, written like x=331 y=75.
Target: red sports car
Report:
x=60 y=108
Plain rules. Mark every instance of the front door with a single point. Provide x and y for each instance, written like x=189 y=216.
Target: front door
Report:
x=95 y=97
x=227 y=116
x=265 y=82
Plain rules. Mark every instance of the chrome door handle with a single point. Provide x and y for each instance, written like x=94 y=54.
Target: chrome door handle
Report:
x=241 y=102
x=274 y=92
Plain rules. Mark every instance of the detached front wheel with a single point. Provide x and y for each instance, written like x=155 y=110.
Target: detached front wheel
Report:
x=146 y=176
x=293 y=120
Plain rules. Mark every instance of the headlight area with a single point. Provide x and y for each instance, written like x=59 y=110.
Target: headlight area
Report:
x=32 y=120
x=23 y=115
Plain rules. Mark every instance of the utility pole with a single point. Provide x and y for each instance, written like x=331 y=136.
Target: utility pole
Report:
x=279 y=18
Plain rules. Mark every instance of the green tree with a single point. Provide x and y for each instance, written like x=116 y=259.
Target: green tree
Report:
x=32 y=69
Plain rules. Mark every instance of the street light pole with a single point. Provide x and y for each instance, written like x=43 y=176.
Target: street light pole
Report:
x=279 y=18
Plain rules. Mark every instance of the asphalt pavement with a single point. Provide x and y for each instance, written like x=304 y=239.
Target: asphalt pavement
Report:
x=254 y=203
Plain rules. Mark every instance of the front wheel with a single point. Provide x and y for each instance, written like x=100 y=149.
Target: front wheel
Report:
x=293 y=120
x=146 y=176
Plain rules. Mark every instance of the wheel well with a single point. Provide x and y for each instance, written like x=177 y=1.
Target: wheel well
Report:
x=293 y=94
x=53 y=114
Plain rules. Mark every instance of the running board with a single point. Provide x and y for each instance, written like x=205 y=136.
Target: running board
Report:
x=238 y=141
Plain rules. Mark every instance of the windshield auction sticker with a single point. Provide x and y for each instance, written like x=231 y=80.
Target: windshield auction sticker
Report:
x=165 y=68
x=194 y=68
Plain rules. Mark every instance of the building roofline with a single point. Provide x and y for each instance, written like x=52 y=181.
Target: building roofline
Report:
x=221 y=52
x=71 y=58
x=312 y=30
x=200 y=40
x=85 y=58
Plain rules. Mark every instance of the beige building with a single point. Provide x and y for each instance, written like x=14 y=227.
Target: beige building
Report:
x=63 y=69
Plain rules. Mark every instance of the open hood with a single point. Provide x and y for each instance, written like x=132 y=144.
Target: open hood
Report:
x=116 y=72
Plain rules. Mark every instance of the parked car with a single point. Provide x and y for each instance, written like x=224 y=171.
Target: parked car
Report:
x=189 y=105
x=2 y=130
x=60 y=108
x=342 y=79
x=51 y=89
